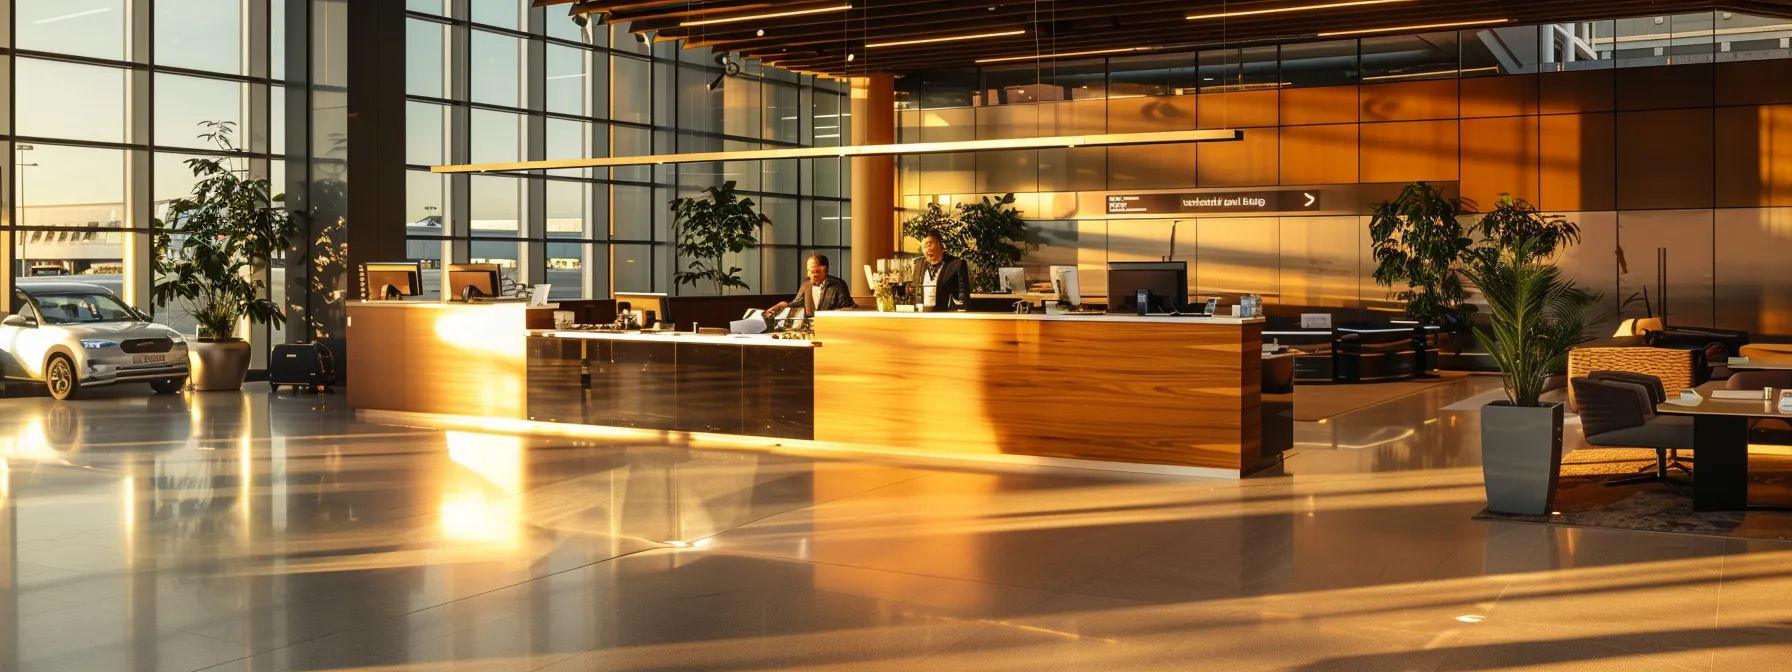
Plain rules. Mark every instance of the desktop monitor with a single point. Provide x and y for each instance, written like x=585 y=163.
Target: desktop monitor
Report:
x=473 y=281
x=391 y=280
x=1165 y=284
x=1014 y=280
x=1065 y=284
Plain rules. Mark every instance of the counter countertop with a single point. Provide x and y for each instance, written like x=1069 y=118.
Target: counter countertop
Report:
x=681 y=337
x=1033 y=317
x=438 y=305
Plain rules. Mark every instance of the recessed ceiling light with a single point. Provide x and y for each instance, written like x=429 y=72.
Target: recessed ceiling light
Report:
x=1427 y=26
x=772 y=15
x=950 y=38
x=1279 y=10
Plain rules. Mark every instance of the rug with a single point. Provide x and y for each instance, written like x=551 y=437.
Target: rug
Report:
x=1583 y=500
x=1319 y=402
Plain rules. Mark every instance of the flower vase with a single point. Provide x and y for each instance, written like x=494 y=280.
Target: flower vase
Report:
x=886 y=302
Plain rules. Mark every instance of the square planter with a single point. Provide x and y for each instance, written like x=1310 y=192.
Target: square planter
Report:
x=1521 y=457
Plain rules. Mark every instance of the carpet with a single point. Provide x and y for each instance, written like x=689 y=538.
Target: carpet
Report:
x=1582 y=500
x=1319 y=402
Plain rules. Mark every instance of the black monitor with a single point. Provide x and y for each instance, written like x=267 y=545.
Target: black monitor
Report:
x=391 y=280
x=473 y=281
x=1165 y=284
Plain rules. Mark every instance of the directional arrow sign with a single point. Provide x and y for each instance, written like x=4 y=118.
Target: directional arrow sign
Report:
x=1311 y=200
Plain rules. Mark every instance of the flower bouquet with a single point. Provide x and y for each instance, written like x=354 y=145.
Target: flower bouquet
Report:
x=889 y=283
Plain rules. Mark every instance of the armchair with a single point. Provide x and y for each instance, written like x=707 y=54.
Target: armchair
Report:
x=1617 y=409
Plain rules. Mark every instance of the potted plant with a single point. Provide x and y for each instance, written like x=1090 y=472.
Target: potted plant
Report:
x=1537 y=316
x=1514 y=220
x=211 y=256
x=994 y=235
x=709 y=228
x=1420 y=244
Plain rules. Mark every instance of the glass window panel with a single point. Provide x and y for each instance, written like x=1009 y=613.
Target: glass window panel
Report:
x=428 y=253
x=634 y=268
x=826 y=229
x=566 y=84
x=785 y=228
x=1694 y=38
x=781 y=176
x=171 y=178
x=1166 y=75
x=1517 y=50
x=1320 y=63
x=948 y=89
x=631 y=79
x=81 y=27
x=1231 y=69
x=783 y=114
x=437 y=7
x=699 y=109
x=424 y=201
x=277 y=39
x=504 y=253
x=182 y=103
x=425 y=66
x=1642 y=41
x=622 y=40
x=565 y=269
x=66 y=100
x=277 y=119
x=200 y=34
x=562 y=27
x=497 y=136
x=568 y=209
x=497 y=205
x=633 y=218
x=631 y=141
x=500 y=13
x=828 y=126
x=496 y=69
x=567 y=139
x=70 y=186
x=827 y=178
x=743 y=109
x=425 y=133
x=1409 y=57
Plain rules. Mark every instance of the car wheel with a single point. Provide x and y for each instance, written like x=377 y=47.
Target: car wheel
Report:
x=169 y=386
x=60 y=376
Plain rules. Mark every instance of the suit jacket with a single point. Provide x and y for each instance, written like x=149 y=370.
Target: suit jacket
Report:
x=835 y=295
x=953 y=284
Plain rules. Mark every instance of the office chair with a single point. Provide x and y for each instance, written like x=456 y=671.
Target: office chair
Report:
x=1617 y=409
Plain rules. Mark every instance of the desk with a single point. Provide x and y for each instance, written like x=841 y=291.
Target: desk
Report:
x=1720 y=438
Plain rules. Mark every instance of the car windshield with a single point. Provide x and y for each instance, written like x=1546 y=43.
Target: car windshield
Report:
x=82 y=308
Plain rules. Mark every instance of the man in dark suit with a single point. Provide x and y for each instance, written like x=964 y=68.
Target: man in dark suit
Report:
x=820 y=291
x=946 y=281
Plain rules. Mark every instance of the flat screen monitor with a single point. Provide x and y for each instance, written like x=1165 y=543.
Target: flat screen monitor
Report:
x=1065 y=284
x=473 y=281
x=1014 y=280
x=391 y=280
x=1166 y=283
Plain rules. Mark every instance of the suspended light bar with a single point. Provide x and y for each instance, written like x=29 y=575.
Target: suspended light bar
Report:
x=1279 y=10
x=1438 y=73
x=1096 y=52
x=773 y=15
x=1068 y=141
x=952 y=38
x=1428 y=26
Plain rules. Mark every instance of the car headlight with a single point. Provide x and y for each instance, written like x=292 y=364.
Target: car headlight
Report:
x=95 y=344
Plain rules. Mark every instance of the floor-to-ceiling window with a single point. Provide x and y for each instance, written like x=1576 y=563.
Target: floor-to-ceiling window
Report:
x=498 y=82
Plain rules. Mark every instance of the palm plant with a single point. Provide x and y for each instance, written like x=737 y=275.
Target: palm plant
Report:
x=229 y=230
x=1537 y=315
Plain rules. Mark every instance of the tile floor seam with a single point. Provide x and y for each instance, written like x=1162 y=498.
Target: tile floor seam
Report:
x=878 y=569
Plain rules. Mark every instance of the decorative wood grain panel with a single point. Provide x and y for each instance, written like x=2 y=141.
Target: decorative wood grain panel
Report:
x=1152 y=393
x=1410 y=101
x=1576 y=169
x=439 y=358
x=1319 y=105
x=1499 y=156
x=1408 y=151
x=1754 y=156
x=1251 y=162
x=1665 y=160
x=1575 y=92
x=1319 y=154
x=1240 y=109
x=1502 y=96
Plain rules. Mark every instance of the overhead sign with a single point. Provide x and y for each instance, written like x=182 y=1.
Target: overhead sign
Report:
x=1261 y=201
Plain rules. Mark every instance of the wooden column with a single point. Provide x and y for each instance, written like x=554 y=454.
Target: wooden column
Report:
x=873 y=179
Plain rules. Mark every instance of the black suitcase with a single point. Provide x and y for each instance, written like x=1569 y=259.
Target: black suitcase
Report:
x=301 y=366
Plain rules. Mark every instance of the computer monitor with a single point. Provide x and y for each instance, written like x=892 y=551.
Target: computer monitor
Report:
x=1065 y=284
x=473 y=281
x=1014 y=280
x=391 y=280
x=1164 y=282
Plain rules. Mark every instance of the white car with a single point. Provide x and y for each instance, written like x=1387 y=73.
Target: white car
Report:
x=72 y=335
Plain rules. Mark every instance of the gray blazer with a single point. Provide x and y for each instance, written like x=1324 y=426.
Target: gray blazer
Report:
x=835 y=295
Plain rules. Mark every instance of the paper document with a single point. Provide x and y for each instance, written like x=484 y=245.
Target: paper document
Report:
x=753 y=323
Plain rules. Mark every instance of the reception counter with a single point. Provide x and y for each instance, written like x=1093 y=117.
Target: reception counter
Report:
x=1175 y=394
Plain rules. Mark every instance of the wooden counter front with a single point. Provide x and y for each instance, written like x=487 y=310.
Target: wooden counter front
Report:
x=1167 y=391
x=444 y=358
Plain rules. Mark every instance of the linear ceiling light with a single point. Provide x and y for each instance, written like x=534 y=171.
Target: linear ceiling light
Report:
x=1006 y=59
x=1408 y=75
x=1455 y=24
x=1108 y=140
x=773 y=15
x=952 y=38
x=1279 y=10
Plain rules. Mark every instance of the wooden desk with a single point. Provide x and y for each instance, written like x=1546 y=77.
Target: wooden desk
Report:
x=1720 y=439
x=1151 y=390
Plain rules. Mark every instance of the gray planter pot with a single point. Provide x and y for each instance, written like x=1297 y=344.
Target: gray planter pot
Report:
x=1521 y=456
x=218 y=365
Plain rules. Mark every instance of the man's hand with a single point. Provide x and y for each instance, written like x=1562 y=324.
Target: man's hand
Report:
x=778 y=308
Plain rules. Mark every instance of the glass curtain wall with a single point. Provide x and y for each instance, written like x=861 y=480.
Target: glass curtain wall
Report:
x=496 y=81
x=104 y=121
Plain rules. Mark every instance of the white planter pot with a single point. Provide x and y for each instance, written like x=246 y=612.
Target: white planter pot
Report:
x=1521 y=457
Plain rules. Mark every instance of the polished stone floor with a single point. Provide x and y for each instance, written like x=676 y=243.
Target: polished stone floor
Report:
x=242 y=532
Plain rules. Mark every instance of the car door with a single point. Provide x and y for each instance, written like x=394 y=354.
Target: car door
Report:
x=10 y=336
x=33 y=343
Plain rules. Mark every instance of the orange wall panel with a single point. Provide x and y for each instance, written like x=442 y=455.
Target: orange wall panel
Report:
x=1240 y=109
x=1251 y=162
x=1408 y=151
x=1665 y=160
x=1506 y=96
x=1320 y=154
x=1671 y=87
x=1320 y=105
x=1499 y=156
x=1410 y=101
x=1754 y=156
x=1754 y=82
x=1151 y=114
x=1575 y=92
x=1575 y=169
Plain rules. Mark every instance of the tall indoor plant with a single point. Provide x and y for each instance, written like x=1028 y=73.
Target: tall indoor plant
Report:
x=995 y=236
x=1419 y=246
x=212 y=254
x=1537 y=317
x=710 y=227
